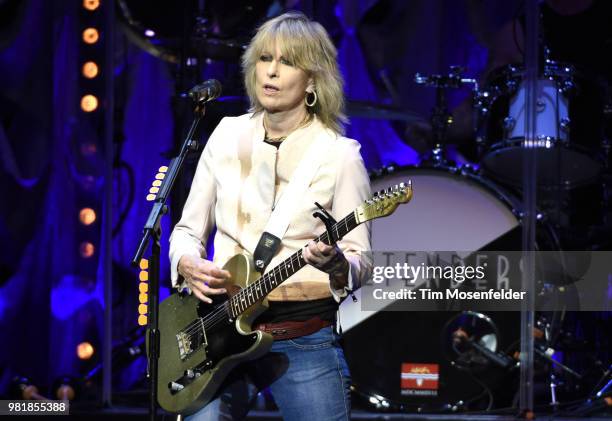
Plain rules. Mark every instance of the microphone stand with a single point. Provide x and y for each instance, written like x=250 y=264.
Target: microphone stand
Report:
x=151 y=234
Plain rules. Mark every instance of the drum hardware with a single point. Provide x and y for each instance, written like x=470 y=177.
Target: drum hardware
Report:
x=546 y=332
x=607 y=387
x=471 y=341
x=441 y=118
x=566 y=159
x=377 y=173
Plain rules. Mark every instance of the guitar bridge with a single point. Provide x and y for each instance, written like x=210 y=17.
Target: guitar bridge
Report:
x=184 y=345
x=190 y=342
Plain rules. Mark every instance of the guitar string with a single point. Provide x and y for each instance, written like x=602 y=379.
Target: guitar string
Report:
x=220 y=311
x=217 y=315
x=323 y=237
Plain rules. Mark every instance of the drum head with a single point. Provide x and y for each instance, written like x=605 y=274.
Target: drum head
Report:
x=448 y=212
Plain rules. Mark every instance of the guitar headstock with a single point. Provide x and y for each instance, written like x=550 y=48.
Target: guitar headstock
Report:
x=384 y=202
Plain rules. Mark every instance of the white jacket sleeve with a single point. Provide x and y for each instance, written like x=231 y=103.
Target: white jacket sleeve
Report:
x=352 y=189
x=198 y=218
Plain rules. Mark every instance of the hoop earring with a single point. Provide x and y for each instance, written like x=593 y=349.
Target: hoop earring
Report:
x=314 y=101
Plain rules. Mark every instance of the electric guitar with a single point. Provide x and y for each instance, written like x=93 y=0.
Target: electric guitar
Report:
x=200 y=343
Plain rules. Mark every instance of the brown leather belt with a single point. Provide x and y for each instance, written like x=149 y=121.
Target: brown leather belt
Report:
x=290 y=330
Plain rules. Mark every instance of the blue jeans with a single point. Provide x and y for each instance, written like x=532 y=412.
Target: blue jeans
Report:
x=307 y=376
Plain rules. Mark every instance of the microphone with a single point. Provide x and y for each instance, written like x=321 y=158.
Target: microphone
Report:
x=204 y=92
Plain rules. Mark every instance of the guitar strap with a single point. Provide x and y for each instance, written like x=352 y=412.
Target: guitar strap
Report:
x=293 y=193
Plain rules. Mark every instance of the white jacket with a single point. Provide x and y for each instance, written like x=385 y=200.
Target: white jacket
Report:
x=238 y=180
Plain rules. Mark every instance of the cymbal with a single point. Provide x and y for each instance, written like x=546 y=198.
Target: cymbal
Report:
x=364 y=109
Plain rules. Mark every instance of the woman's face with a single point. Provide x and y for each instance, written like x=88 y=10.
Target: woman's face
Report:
x=279 y=85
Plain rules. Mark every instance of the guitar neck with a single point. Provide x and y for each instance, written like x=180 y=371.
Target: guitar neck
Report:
x=264 y=285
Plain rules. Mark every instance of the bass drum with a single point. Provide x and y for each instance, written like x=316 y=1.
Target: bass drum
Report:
x=397 y=358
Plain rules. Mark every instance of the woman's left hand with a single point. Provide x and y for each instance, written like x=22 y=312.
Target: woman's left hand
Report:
x=328 y=259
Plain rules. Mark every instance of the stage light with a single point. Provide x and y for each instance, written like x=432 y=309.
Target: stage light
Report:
x=144 y=264
x=143 y=289
x=89 y=103
x=157 y=183
x=90 y=69
x=91 y=5
x=85 y=350
x=90 y=35
x=87 y=216
x=87 y=249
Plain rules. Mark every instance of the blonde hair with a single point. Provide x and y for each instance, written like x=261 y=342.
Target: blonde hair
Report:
x=307 y=46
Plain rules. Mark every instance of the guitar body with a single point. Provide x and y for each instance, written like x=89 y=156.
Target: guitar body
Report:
x=226 y=344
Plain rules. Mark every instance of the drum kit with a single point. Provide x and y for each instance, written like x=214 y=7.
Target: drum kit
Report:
x=451 y=361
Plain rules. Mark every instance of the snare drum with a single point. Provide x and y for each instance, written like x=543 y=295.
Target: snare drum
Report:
x=569 y=115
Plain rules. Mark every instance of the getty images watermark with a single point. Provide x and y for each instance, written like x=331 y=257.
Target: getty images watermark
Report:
x=488 y=280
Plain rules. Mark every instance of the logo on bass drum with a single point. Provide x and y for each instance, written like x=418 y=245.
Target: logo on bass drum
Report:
x=420 y=379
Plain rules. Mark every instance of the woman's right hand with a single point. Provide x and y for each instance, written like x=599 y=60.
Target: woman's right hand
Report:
x=203 y=277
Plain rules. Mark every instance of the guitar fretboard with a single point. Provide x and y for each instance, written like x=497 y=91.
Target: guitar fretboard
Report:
x=264 y=285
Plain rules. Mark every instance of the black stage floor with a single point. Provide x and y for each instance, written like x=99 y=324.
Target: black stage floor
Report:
x=119 y=413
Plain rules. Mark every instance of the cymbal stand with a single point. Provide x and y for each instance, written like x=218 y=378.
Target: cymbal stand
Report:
x=441 y=118
x=543 y=348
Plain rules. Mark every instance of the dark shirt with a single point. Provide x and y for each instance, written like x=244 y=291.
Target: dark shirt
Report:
x=282 y=311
